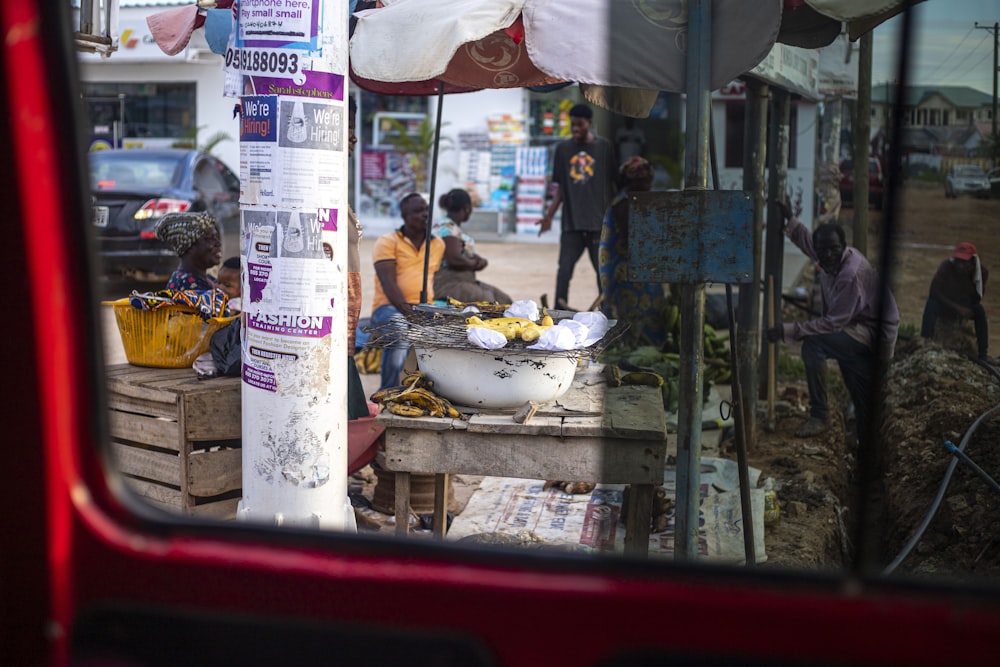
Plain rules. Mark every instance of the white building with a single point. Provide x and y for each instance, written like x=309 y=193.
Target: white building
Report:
x=141 y=97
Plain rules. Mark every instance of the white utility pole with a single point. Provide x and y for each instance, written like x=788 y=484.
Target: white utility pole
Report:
x=287 y=63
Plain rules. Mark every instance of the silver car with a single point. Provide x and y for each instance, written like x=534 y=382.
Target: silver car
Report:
x=966 y=179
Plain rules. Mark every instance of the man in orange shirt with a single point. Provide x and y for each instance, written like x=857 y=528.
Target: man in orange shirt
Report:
x=399 y=267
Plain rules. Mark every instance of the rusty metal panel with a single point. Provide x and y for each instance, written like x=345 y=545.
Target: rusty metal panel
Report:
x=691 y=236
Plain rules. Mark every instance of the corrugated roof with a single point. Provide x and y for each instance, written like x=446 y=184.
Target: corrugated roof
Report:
x=959 y=96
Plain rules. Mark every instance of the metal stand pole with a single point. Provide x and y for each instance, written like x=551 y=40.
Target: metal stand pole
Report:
x=689 y=418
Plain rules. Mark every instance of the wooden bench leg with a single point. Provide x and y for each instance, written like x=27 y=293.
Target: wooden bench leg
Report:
x=440 y=505
x=640 y=505
x=402 y=506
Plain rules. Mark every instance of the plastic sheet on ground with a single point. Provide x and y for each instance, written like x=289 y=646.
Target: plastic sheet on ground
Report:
x=523 y=510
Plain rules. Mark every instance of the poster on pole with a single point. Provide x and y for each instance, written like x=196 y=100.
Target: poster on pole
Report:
x=288 y=24
x=286 y=47
x=291 y=152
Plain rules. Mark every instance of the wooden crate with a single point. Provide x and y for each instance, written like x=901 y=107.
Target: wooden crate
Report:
x=177 y=439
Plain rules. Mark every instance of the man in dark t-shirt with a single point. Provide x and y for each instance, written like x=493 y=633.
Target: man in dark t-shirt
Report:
x=584 y=170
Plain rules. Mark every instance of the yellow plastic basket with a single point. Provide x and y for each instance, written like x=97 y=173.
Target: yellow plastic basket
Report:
x=171 y=336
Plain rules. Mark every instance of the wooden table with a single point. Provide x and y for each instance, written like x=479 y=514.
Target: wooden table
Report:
x=593 y=433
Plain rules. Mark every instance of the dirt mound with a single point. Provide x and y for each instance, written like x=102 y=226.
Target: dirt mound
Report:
x=931 y=395
x=934 y=395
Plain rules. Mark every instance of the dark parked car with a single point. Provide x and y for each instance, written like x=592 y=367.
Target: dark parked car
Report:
x=875 y=182
x=966 y=179
x=132 y=189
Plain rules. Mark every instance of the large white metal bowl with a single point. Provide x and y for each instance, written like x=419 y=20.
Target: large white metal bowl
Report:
x=497 y=378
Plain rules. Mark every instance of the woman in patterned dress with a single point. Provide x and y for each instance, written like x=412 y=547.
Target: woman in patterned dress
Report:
x=456 y=278
x=639 y=305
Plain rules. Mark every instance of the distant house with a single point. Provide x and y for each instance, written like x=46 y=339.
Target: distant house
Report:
x=938 y=120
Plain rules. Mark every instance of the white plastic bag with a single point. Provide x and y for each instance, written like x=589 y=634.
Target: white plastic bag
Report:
x=556 y=338
x=525 y=308
x=487 y=339
x=596 y=323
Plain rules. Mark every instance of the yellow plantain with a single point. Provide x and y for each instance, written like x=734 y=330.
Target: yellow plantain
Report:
x=403 y=410
x=530 y=333
x=436 y=406
x=672 y=317
x=415 y=379
x=547 y=320
x=421 y=397
x=500 y=322
x=386 y=394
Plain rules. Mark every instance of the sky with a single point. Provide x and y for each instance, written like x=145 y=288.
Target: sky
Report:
x=949 y=49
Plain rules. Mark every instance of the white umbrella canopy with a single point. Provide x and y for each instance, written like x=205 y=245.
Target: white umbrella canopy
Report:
x=860 y=16
x=622 y=53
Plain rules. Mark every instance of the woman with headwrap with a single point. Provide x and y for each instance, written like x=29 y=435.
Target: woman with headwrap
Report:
x=639 y=305
x=196 y=240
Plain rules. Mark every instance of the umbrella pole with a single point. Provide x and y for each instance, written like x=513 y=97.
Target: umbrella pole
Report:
x=430 y=204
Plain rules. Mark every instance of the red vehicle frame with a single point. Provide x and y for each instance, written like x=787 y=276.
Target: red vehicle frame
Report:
x=90 y=578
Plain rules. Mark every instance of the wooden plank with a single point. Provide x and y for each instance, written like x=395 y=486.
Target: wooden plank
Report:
x=165 y=384
x=213 y=473
x=440 y=506
x=401 y=502
x=143 y=405
x=137 y=374
x=537 y=425
x=147 y=384
x=388 y=419
x=144 y=429
x=161 y=496
x=223 y=510
x=215 y=414
x=634 y=412
x=640 y=505
x=157 y=466
x=583 y=459
x=583 y=397
x=206 y=409
x=584 y=425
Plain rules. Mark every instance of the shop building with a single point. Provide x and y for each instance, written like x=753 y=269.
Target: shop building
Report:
x=139 y=97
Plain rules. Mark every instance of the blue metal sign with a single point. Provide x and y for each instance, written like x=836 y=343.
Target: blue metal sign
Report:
x=691 y=236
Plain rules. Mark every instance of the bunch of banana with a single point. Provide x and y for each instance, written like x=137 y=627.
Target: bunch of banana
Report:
x=414 y=398
x=715 y=349
x=513 y=327
x=368 y=360
x=483 y=305
x=671 y=316
x=718 y=368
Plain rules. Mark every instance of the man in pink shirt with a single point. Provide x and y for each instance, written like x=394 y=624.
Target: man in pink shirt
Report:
x=857 y=328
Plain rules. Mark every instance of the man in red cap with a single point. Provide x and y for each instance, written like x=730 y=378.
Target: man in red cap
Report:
x=957 y=294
